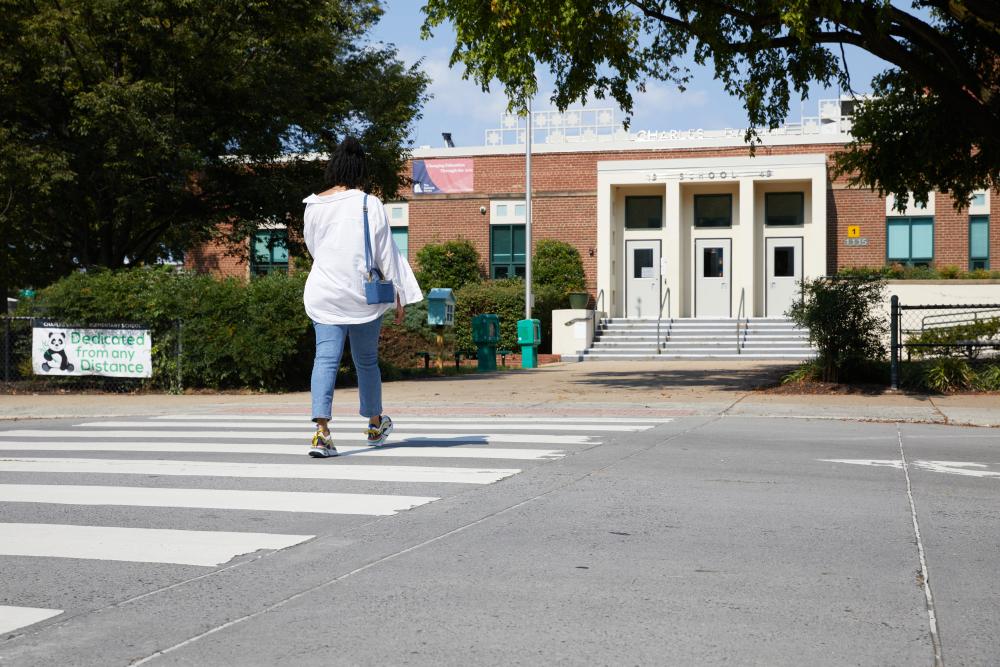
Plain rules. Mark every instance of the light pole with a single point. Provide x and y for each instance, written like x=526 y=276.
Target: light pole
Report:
x=528 y=330
x=527 y=217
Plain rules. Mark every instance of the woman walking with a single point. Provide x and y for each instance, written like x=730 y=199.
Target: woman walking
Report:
x=336 y=222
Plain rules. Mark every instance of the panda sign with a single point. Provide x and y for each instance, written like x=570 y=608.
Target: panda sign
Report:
x=119 y=350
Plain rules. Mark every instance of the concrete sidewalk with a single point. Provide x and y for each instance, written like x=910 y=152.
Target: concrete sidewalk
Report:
x=629 y=388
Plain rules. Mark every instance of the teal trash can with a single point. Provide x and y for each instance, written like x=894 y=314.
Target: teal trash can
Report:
x=486 y=336
x=529 y=337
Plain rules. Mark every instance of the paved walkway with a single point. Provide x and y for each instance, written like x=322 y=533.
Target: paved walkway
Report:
x=666 y=389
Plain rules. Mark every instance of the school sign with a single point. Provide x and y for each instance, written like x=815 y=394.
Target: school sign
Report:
x=117 y=350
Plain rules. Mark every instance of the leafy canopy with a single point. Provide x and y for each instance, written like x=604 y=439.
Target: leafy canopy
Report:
x=450 y=264
x=933 y=122
x=128 y=130
x=557 y=264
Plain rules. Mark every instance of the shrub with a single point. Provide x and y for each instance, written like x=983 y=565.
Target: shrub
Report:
x=557 y=264
x=845 y=323
x=940 y=341
x=452 y=264
x=504 y=298
x=949 y=374
x=949 y=272
x=808 y=371
x=903 y=272
x=988 y=378
x=235 y=333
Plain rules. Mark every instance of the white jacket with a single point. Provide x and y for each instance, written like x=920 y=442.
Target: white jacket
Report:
x=335 y=237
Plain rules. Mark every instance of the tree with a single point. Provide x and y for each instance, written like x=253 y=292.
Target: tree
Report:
x=129 y=130
x=931 y=125
x=450 y=264
x=557 y=264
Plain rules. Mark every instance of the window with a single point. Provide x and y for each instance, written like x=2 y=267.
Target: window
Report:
x=713 y=261
x=401 y=237
x=910 y=240
x=713 y=210
x=507 y=251
x=784 y=209
x=643 y=212
x=784 y=262
x=979 y=242
x=642 y=259
x=270 y=252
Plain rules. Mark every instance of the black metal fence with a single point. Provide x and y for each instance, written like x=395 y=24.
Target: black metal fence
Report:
x=934 y=330
x=17 y=375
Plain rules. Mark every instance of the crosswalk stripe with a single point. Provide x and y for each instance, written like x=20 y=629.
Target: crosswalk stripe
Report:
x=455 y=420
x=439 y=426
x=144 y=545
x=12 y=618
x=352 y=435
x=395 y=449
x=267 y=501
x=308 y=470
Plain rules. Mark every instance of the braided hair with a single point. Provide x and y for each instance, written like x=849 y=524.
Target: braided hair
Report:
x=347 y=165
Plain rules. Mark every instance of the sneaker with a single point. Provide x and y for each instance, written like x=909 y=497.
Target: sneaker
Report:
x=322 y=446
x=378 y=434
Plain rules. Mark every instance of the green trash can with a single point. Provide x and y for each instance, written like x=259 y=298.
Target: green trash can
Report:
x=529 y=337
x=486 y=335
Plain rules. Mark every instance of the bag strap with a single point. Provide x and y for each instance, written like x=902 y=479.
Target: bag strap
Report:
x=368 y=245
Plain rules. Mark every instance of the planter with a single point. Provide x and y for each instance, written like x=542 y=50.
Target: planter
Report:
x=578 y=300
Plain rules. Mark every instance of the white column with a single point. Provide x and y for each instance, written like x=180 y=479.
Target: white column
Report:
x=744 y=251
x=605 y=250
x=815 y=250
x=674 y=246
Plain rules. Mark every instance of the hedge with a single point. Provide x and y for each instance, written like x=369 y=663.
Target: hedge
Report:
x=235 y=333
x=504 y=298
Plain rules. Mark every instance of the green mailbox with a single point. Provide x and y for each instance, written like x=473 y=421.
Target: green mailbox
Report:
x=486 y=335
x=529 y=337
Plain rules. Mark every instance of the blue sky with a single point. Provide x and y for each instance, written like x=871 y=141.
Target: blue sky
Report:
x=461 y=108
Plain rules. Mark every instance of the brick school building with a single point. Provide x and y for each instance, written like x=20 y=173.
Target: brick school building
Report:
x=690 y=211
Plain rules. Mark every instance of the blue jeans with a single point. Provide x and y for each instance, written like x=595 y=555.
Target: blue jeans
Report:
x=364 y=350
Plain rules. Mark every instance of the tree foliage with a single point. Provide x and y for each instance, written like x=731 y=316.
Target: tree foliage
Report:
x=128 y=130
x=557 y=264
x=451 y=264
x=933 y=122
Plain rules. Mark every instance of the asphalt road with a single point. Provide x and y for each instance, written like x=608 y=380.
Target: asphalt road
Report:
x=696 y=540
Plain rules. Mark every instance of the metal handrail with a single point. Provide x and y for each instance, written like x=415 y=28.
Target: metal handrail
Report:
x=659 y=318
x=597 y=308
x=740 y=314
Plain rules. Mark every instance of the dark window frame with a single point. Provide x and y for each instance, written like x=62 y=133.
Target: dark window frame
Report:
x=511 y=265
x=802 y=209
x=704 y=197
x=985 y=259
x=632 y=200
x=909 y=221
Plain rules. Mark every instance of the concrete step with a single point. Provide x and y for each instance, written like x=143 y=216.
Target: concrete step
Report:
x=687 y=335
x=689 y=356
x=705 y=349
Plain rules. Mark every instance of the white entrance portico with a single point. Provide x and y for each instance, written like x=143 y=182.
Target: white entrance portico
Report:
x=720 y=233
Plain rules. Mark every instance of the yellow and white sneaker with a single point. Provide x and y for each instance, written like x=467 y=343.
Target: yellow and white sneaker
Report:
x=322 y=445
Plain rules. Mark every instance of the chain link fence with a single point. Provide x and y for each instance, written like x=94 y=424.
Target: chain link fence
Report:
x=17 y=375
x=930 y=331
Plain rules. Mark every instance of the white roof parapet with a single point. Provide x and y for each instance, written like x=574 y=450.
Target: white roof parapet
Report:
x=592 y=130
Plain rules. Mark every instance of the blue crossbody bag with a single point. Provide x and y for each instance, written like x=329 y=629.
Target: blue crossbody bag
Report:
x=377 y=288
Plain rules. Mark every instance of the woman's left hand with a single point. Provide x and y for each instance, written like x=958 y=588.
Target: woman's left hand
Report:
x=399 y=311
